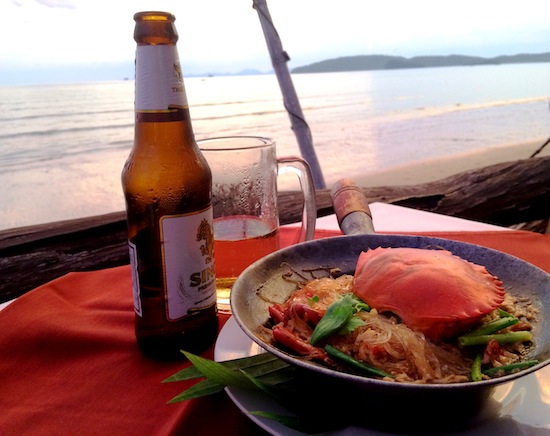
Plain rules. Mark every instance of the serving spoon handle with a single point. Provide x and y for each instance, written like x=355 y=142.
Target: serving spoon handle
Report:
x=351 y=208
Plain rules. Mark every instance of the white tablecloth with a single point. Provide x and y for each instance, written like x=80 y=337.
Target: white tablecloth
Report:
x=391 y=218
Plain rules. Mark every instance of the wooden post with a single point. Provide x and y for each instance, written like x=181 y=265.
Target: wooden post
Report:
x=279 y=58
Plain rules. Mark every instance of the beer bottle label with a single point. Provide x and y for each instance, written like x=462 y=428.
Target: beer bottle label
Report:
x=159 y=88
x=188 y=257
x=135 y=280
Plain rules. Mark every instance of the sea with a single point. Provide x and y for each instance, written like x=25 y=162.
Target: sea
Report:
x=63 y=146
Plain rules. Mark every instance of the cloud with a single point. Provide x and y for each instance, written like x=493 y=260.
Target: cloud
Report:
x=68 y=4
x=226 y=36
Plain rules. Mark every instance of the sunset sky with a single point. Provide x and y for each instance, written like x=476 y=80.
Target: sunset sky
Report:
x=75 y=40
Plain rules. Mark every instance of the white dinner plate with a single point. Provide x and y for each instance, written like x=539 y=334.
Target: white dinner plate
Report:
x=523 y=405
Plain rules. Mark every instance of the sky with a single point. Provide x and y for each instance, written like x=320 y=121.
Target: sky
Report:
x=44 y=41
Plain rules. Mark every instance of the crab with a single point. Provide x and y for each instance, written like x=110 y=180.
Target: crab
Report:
x=432 y=291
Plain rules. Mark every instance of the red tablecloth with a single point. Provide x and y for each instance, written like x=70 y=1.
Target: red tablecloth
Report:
x=70 y=364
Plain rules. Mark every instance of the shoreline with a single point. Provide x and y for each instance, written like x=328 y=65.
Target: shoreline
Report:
x=97 y=194
x=431 y=170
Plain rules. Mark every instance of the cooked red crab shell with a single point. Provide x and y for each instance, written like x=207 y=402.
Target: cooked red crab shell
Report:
x=432 y=291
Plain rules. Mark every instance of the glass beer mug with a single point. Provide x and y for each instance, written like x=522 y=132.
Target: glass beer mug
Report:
x=244 y=198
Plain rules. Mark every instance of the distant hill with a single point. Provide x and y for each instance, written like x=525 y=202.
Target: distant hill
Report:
x=386 y=62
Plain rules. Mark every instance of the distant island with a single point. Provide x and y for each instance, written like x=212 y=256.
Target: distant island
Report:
x=386 y=62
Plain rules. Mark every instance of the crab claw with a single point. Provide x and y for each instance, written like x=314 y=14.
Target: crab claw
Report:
x=432 y=291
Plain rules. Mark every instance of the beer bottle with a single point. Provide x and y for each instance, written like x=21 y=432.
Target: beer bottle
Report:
x=167 y=186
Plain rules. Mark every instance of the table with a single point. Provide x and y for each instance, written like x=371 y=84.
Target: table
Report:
x=70 y=364
x=393 y=218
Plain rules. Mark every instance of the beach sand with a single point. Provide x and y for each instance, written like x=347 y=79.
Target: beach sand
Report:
x=440 y=168
x=92 y=188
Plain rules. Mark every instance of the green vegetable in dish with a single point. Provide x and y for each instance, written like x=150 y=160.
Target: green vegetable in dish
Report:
x=476 y=368
x=503 y=313
x=339 y=317
x=314 y=299
x=494 y=326
x=501 y=338
x=510 y=367
x=348 y=360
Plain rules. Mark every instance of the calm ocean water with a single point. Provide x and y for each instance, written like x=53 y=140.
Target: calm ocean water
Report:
x=62 y=146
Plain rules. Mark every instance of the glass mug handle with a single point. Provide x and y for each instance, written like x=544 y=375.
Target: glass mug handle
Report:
x=309 y=213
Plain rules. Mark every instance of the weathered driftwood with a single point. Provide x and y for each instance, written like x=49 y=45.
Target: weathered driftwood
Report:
x=30 y=256
x=507 y=194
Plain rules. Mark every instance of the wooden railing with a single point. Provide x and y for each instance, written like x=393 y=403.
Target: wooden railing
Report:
x=511 y=194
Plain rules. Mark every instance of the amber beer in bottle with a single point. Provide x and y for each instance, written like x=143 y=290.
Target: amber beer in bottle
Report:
x=167 y=186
